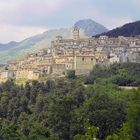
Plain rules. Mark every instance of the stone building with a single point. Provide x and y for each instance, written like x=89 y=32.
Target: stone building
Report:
x=83 y=64
x=7 y=74
x=79 y=54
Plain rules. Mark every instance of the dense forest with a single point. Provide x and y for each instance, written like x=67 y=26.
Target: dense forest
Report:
x=127 y=30
x=74 y=108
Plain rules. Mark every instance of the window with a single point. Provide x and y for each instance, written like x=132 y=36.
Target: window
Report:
x=83 y=59
x=96 y=60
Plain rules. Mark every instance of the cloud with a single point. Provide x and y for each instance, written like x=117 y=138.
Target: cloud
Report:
x=136 y=1
x=22 y=18
x=27 y=12
x=111 y=23
x=18 y=33
x=92 y=9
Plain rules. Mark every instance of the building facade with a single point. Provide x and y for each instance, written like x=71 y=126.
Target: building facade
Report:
x=79 y=54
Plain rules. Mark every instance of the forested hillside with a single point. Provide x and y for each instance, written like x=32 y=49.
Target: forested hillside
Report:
x=73 y=108
x=127 y=30
x=126 y=74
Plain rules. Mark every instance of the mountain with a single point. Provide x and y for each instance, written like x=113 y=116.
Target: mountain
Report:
x=90 y=27
x=127 y=30
x=15 y=50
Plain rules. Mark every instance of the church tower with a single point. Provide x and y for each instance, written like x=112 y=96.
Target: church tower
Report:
x=75 y=33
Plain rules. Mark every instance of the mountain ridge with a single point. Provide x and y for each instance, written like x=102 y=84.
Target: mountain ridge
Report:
x=127 y=30
x=90 y=27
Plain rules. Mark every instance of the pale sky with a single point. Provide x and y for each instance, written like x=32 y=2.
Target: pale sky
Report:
x=20 y=19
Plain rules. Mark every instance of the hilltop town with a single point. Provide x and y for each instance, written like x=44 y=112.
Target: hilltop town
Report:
x=78 y=54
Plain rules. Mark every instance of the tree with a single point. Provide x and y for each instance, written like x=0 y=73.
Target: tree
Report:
x=60 y=116
x=38 y=132
x=105 y=111
x=71 y=74
x=91 y=133
x=131 y=128
x=9 y=132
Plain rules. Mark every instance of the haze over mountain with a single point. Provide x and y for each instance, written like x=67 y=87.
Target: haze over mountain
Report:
x=127 y=30
x=14 y=50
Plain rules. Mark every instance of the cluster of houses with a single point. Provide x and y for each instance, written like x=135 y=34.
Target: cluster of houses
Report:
x=78 y=54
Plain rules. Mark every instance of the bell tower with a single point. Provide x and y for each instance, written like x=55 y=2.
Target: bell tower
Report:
x=75 y=33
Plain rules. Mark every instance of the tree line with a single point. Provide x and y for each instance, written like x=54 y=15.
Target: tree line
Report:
x=73 y=108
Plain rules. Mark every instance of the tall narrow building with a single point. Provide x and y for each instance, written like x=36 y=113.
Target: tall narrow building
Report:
x=75 y=33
